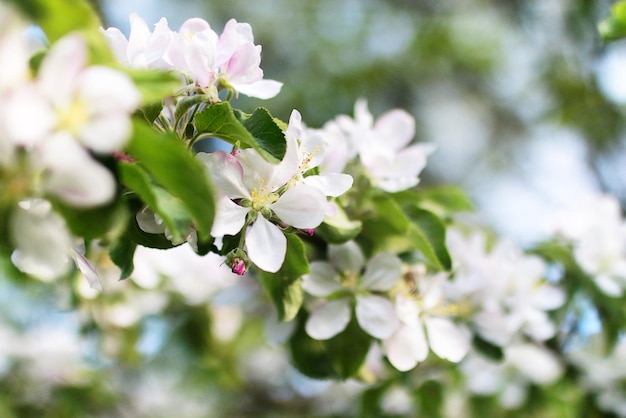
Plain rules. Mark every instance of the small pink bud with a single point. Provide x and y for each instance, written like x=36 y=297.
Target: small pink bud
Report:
x=238 y=266
x=235 y=151
x=123 y=157
x=309 y=231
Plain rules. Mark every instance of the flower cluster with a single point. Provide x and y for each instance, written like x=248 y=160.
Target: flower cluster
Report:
x=208 y=61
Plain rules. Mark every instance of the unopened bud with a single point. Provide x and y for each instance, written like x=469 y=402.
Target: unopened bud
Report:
x=238 y=266
x=309 y=231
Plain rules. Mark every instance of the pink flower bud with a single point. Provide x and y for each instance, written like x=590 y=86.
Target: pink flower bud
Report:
x=238 y=266
x=235 y=151
x=309 y=231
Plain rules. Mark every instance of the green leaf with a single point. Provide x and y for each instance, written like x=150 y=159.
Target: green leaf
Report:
x=122 y=254
x=267 y=133
x=94 y=222
x=168 y=207
x=285 y=286
x=614 y=27
x=430 y=399
x=443 y=200
x=174 y=167
x=220 y=121
x=154 y=85
x=309 y=356
x=488 y=349
x=428 y=234
x=348 y=349
x=338 y=229
x=391 y=212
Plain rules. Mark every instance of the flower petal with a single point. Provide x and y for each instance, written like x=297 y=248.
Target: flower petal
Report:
x=328 y=319
x=301 y=206
x=347 y=258
x=382 y=272
x=376 y=315
x=266 y=245
x=226 y=172
x=87 y=268
x=406 y=347
x=331 y=184
x=261 y=89
x=322 y=280
x=229 y=217
x=447 y=339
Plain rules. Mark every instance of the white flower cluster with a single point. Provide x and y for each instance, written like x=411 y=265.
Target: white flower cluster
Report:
x=51 y=127
x=207 y=60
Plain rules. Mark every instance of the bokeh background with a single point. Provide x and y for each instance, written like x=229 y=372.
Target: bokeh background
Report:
x=523 y=100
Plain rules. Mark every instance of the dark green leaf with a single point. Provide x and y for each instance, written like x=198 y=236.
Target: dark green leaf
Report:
x=220 y=121
x=96 y=222
x=488 y=349
x=174 y=167
x=391 y=212
x=168 y=207
x=122 y=254
x=348 y=349
x=267 y=133
x=284 y=286
x=430 y=395
x=308 y=355
x=428 y=234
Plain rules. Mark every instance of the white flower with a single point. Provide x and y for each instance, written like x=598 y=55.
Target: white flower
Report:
x=143 y=48
x=374 y=313
x=256 y=184
x=425 y=310
x=598 y=233
x=92 y=104
x=238 y=60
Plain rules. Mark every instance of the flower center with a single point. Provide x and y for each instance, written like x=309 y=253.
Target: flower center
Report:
x=262 y=197
x=73 y=117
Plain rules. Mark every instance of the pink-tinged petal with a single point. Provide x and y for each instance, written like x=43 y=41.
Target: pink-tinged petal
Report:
x=192 y=26
x=288 y=167
x=407 y=347
x=376 y=316
x=87 y=268
x=243 y=66
x=261 y=89
x=137 y=41
x=328 y=319
x=382 y=272
x=362 y=114
x=60 y=69
x=266 y=245
x=234 y=35
x=331 y=184
x=301 y=206
x=73 y=175
x=257 y=172
x=229 y=217
x=226 y=173
x=323 y=279
x=447 y=339
x=396 y=128
x=347 y=258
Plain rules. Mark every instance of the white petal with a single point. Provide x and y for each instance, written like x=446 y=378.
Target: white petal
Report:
x=447 y=339
x=396 y=128
x=377 y=316
x=106 y=133
x=347 y=258
x=262 y=89
x=538 y=364
x=226 y=173
x=382 y=272
x=322 y=280
x=328 y=319
x=331 y=184
x=60 y=69
x=41 y=241
x=87 y=268
x=73 y=175
x=406 y=347
x=301 y=206
x=266 y=245
x=229 y=217
x=108 y=90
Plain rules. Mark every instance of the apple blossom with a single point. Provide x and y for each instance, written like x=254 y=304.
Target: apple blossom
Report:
x=598 y=235
x=341 y=281
x=421 y=305
x=252 y=194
